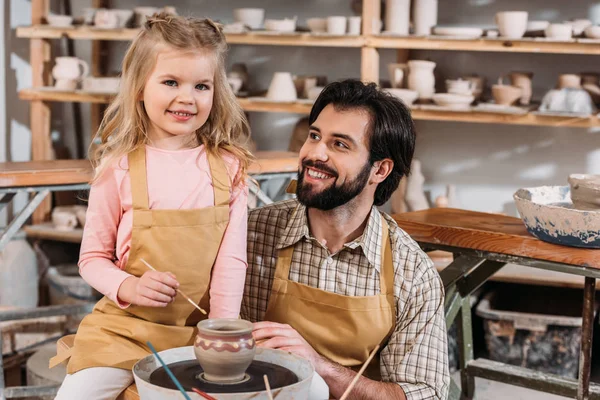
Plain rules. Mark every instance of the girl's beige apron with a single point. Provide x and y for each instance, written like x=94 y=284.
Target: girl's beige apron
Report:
x=344 y=329
x=184 y=242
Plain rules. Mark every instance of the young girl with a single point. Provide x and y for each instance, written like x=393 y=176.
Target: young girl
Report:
x=169 y=189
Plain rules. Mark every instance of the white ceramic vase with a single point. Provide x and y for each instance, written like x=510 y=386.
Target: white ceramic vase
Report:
x=421 y=78
x=397 y=16
x=425 y=13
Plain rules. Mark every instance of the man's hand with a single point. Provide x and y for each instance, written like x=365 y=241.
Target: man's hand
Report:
x=153 y=289
x=272 y=335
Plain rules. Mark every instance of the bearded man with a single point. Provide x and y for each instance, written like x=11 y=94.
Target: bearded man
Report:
x=330 y=276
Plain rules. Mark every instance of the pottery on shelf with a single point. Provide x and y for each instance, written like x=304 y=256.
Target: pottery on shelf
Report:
x=559 y=31
x=512 y=24
x=415 y=197
x=460 y=86
x=63 y=219
x=317 y=25
x=68 y=71
x=62 y=21
x=239 y=70
x=522 y=80
x=281 y=25
x=425 y=15
x=252 y=17
x=579 y=26
x=406 y=95
x=397 y=16
x=454 y=101
x=592 y=32
x=398 y=73
x=336 y=25
x=568 y=101
x=478 y=84
x=506 y=95
x=421 y=78
x=225 y=348
x=569 y=81
x=354 y=25
x=585 y=191
x=282 y=87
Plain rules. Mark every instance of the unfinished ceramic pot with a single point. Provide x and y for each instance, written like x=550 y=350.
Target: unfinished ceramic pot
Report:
x=282 y=87
x=421 y=78
x=512 y=24
x=522 y=80
x=224 y=347
x=585 y=191
x=506 y=94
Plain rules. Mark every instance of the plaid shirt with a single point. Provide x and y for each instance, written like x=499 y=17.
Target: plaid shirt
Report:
x=416 y=355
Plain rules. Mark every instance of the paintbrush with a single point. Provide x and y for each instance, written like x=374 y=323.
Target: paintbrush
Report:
x=359 y=373
x=175 y=381
x=203 y=394
x=178 y=291
x=268 y=387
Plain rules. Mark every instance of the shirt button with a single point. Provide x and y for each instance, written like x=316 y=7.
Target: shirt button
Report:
x=350 y=256
x=329 y=260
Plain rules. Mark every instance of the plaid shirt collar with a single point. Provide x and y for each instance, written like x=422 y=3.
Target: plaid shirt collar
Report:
x=369 y=241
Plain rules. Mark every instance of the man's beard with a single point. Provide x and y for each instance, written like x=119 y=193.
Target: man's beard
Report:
x=333 y=196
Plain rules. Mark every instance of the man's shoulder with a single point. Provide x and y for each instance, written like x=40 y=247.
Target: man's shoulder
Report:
x=275 y=215
x=410 y=253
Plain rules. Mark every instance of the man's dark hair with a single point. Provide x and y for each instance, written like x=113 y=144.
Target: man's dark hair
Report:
x=391 y=129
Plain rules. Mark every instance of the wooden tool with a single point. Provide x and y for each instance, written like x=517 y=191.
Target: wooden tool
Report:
x=178 y=291
x=268 y=387
x=359 y=373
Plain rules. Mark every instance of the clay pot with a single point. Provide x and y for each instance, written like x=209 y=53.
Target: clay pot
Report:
x=522 y=80
x=571 y=81
x=559 y=31
x=282 y=87
x=64 y=219
x=478 y=83
x=253 y=17
x=585 y=191
x=225 y=348
x=505 y=94
x=68 y=71
x=398 y=74
x=425 y=13
x=397 y=16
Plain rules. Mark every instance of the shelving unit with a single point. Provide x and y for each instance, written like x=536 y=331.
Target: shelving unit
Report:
x=369 y=46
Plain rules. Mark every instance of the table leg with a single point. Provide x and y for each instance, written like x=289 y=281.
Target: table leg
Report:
x=465 y=343
x=587 y=330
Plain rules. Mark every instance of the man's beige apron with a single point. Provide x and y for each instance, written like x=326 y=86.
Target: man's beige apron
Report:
x=184 y=242
x=344 y=329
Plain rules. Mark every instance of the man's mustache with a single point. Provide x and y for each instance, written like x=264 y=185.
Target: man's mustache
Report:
x=320 y=166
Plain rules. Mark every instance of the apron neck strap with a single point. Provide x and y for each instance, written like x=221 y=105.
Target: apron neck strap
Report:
x=220 y=179
x=386 y=275
x=137 y=174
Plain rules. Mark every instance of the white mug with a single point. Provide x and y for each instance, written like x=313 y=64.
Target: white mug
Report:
x=336 y=25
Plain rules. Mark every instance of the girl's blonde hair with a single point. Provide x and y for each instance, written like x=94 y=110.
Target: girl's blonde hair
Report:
x=125 y=124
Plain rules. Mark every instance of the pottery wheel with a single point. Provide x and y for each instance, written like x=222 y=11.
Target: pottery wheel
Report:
x=187 y=373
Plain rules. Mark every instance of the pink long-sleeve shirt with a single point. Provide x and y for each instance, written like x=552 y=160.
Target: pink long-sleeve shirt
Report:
x=177 y=179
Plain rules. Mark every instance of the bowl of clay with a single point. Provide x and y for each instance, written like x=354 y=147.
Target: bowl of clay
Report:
x=154 y=384
x=549 y=214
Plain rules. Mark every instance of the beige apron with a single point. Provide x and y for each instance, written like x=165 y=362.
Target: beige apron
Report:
x=184 y=242
x=344 y=329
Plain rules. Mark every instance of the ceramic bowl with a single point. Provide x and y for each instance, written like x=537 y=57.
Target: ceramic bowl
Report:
x=460 y=31
x=59 y=20
x=225 y=348
x=537 y=25
x=317 y=25
x=281 y=25
x=505 y=94
x=450 y=100
x=559 y=31
x=585 y=191
x=406 y=95
x=252 y=17
x=593 y=32
x=548 y=214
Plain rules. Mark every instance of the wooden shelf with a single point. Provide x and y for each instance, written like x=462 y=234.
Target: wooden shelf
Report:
x=252 y=38
x=45 y=94
x=47 y=231
x=525 y=45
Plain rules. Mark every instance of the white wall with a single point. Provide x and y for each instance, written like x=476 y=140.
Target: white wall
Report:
x=488 y=163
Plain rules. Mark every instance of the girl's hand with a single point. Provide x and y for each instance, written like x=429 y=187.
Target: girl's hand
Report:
x=153 y=289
